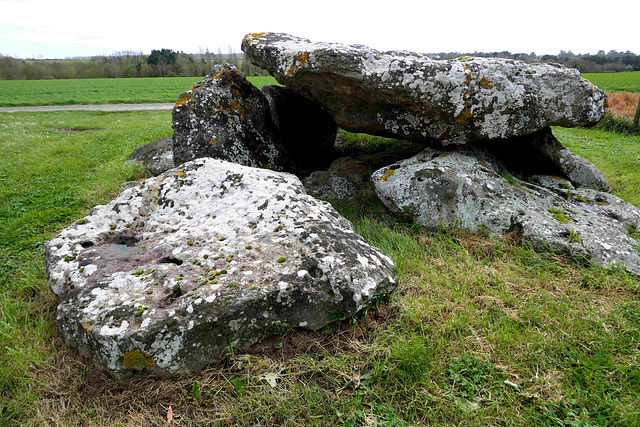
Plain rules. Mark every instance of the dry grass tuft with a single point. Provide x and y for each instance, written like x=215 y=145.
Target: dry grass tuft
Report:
x=623 y=104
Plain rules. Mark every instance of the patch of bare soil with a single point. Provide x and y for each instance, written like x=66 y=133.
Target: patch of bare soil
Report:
x=74 y=131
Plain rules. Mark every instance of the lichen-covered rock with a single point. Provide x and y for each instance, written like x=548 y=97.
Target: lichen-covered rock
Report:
x=226 y=117
x=579 y=171
x=155 y=157
x=411 y=96
x=349 y=178
x=203 y=257
x=306 y=130
x=540 y=153
x=468 y=187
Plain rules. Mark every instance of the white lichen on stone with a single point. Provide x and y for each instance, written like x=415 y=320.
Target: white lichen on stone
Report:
x=177 y=272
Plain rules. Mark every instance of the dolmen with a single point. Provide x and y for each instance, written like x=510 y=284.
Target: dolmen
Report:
x=225 y=245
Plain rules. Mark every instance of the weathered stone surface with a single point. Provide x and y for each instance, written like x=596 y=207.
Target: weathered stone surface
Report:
x=349 y=178
x=306 y=130
x=468 y=187
x=226 y=117
x=410 y=96
x=542 y=153
x=211 y=254
x=155 y=157
x=581 y=172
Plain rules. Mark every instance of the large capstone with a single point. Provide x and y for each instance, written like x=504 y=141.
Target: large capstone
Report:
x=226 y=117
x=206 y=257
x=469 y=187
x=411 y=96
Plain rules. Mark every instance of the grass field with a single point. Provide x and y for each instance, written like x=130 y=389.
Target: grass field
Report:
x=616 y=82
x=480 y=331
x=21 y=93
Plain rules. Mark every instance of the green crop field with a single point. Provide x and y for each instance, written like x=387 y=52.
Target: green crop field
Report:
x=615 y=82
x=20 y=93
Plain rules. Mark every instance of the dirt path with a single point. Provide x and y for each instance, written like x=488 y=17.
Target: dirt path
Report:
x=103 y=107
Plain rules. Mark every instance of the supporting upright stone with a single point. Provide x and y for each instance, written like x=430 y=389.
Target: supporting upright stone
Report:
x=226 y=117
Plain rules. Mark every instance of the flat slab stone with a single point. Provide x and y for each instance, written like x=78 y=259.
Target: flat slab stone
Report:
x=407 y=95
x=468 y=187
x=172 y=272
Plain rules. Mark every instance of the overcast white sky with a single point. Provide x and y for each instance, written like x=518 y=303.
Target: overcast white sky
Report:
x=67 y=28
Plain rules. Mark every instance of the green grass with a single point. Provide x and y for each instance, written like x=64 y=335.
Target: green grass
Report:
x=480 y=331
x=617 y=155
x=19 y=93
x=615 y=82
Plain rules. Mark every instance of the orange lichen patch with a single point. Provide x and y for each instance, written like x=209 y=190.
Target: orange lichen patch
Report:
x=484 y=82
x=138 y=360
x=253 y=36
x=180 y=174
x=466 y=115
x=235 y=93
x=214 y=141
x=443 y=155
x=237 y=107
x=182 y=100
x=387 y=174
x=468 y=80
x=291 y=71
x=302 y=57
x=217 y=75
x=219 y=107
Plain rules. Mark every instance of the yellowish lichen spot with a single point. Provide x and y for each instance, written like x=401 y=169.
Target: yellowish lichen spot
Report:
x=138 y=360
x=182 y=100
x=443 y=155
x=302 y=57
x=180 y=174
x=253 y=36
x=387 y=174
x=291 y=71
x=484 y=82
x=213 y=141
x=237 y=107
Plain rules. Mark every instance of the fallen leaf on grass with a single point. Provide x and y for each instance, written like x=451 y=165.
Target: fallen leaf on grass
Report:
x=170 y=415
x=271 y=378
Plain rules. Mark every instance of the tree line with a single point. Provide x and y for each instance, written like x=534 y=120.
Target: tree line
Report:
x=602 y=62
x=159 y=63
x=168 y=63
